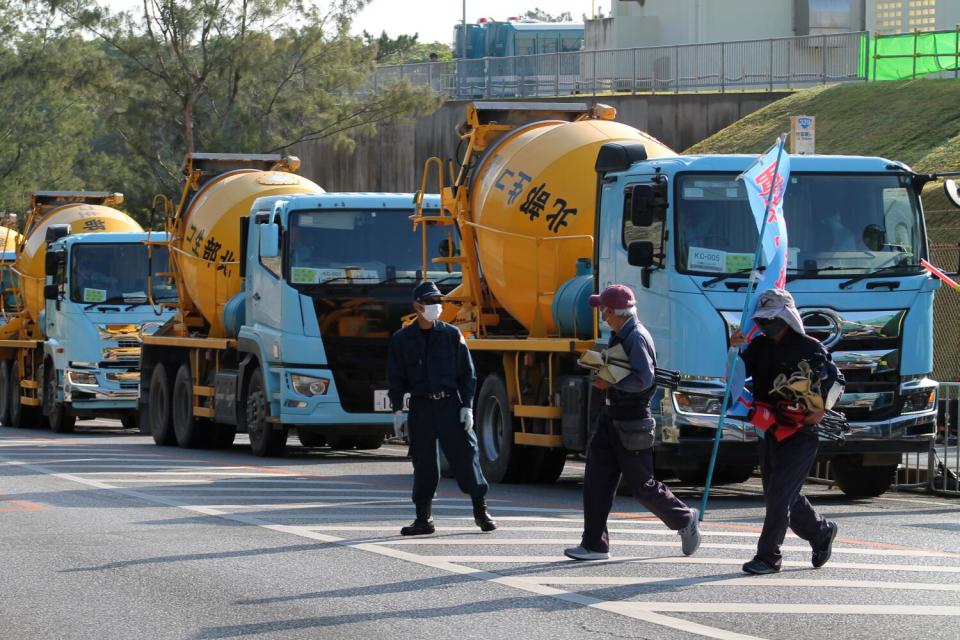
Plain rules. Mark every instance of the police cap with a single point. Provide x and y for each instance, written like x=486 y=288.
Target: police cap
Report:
x=426 y=289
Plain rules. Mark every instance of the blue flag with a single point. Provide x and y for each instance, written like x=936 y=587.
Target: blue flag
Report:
x=766 y=183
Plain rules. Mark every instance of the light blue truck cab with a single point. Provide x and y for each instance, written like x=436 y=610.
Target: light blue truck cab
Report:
x=96 y=311
x=680 y=232
x=327 y=281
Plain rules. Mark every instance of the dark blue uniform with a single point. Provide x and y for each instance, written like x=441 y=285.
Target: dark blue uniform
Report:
x=622 y=444
x=435 y=368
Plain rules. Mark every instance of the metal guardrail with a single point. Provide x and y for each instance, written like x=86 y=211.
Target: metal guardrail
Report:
x=754 y=65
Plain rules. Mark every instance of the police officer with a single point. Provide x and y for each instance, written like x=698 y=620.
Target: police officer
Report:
x=622 y=443
x=429 y=360
x=794 y=380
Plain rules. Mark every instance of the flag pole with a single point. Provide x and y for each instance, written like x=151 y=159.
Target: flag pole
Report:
x=733 y=353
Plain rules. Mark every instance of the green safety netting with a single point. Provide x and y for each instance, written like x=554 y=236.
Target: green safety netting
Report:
x=909 y=55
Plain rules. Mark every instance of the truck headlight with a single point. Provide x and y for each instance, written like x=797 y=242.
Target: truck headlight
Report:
x=76 y=377
x=919 y=401
x=697 y=403
x=308 y=385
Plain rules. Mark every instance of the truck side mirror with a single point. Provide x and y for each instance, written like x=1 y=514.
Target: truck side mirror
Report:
x=269 y=240
x=640 y=254
x=52 y=262
x=51 y=292
x=952 y=190
x=646 y=203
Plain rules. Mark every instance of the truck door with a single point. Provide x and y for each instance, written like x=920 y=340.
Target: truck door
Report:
x=266 y=282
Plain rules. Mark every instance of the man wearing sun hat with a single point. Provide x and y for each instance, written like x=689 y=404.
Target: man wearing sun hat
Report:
x=622 y=443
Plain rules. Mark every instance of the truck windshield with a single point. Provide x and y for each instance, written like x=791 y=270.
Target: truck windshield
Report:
x=837 y=224
x=365 y=246
x=117 y=273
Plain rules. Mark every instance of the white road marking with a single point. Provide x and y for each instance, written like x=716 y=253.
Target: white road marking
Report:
x=574 y=530
x=498 y=540
x=694 y=560
x=799 y=608
x=761 y=582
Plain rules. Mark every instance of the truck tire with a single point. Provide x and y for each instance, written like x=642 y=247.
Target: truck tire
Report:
x=370 y=442
x=264 y=440
x=501 y=459
x=131 y=421
x=547 y=465
x=311 y=438
x=858 y=481
x=5 y=393
x=160 y=409
x=59 y=416
x=190 y=433
x=21 y=415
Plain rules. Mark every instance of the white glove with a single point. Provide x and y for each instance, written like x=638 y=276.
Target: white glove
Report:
x=399 y=417
x=466 y=417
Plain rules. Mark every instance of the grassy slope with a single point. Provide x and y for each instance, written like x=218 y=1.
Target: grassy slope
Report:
x=916 y=122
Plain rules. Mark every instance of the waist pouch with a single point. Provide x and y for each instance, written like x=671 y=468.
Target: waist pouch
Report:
x=636 y=434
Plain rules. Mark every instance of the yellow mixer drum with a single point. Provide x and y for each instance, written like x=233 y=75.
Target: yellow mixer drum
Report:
x=82 y=218
x=8 y=239
x=534 y=198
x=208 y=250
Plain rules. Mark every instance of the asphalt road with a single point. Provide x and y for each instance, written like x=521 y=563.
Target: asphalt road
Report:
x=104 y=535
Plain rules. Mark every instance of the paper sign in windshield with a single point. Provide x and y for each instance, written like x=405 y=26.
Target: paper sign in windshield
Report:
x=717 y=261
x=700 y=259
x=94 y=295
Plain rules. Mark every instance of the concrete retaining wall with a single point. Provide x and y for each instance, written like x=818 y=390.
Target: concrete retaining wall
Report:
x=393 y=159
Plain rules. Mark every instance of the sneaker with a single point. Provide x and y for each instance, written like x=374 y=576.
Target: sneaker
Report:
x=580 y=553
x=690 y=534
x=760 y=567
x=821 y=552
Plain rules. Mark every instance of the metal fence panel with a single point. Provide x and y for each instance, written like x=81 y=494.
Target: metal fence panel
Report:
x=757 y=65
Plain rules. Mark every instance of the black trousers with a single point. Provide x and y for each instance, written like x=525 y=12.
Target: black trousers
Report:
x=607 y=461
x=433 y=421
x=785 y=466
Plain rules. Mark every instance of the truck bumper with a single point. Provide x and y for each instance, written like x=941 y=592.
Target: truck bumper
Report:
x=322 y=410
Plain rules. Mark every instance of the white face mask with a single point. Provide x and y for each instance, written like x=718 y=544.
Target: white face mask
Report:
x=431 y=312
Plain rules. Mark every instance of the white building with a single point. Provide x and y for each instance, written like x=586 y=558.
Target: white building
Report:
x=646 y=23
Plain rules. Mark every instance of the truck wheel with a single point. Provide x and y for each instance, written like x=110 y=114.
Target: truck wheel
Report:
x=59 y=416
x=500 y=458
x=131 y=421
x=5 y=393
x=190 y=434
x=858 y=481
x=547 y=465
x=264 y=441
x=21 y=415
x=160 y=411
x=370 y=442
x=311 y=438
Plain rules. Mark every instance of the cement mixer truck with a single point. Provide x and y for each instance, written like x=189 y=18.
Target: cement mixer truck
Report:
x=70 y=347
x=288 y=297
x=554 y=201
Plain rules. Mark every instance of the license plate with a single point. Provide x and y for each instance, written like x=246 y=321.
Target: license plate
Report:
x=381 y=400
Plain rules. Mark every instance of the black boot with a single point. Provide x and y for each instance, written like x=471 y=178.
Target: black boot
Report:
x=423 y=525
x=481 y=517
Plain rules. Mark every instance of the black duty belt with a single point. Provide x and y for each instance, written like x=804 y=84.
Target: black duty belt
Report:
x=440 y=395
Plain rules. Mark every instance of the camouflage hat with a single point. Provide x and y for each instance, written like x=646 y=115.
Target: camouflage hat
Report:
x=778 y=303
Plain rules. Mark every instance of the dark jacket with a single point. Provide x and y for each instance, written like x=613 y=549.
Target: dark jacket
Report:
x=421 y=364
x=765 y=359
x=630 y=398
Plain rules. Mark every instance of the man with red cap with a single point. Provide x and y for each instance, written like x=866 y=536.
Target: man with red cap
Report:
x=622 y=443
